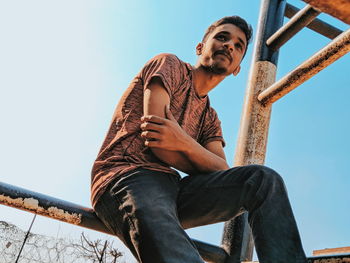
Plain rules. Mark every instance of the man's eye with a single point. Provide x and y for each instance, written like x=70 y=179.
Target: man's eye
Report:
x=239 y=46
x=221 y=38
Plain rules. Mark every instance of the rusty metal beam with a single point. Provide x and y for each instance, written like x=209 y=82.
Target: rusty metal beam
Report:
x=71 y=213
x=316 y=25
x=336 y=258
x=326 y=56
x=48 y=206
x=340 y=9
x=211 y=253
x=293 y=26
x=252 y=138
x=331 y=251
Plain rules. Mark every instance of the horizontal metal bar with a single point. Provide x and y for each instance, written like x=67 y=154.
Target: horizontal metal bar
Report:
x=329 y=257
x=71 y=213
x=326 y=56
x=331 y=251
x=338 y=258
x=340 y=9
x=210 y=253
x=48 y=206
x=293 y=26
x=68 y=212
x=316 y=25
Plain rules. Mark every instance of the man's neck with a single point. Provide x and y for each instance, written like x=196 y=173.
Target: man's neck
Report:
x=205 y=81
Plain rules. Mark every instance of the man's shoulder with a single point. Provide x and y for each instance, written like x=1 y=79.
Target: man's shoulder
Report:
x=168 y=58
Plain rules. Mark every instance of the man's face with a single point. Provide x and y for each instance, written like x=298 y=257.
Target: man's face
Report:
x=223 y=50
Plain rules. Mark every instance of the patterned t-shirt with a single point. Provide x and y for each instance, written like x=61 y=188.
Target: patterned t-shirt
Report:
x=123 y=149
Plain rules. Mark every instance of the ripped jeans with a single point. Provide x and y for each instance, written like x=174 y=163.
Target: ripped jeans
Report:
x=149 y=210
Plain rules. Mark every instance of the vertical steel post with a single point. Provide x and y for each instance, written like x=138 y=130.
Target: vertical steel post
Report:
x=252 y=139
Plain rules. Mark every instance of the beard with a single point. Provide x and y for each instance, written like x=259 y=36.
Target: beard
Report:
x=215 y=68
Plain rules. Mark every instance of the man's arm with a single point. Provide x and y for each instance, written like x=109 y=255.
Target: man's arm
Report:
x=169 y=142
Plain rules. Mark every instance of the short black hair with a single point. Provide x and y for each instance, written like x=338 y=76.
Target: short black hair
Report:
x=234 y=20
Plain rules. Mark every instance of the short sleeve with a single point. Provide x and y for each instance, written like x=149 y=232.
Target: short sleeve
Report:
x=168 y=68
x=212 y=129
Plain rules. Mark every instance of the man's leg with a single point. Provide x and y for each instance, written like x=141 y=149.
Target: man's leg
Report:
x=220 y=196
x=140 y=208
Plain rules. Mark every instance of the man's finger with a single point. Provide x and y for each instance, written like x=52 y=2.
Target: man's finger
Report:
x=150 y=126
x=153 y=118
x=155 y=144
x=150 y=135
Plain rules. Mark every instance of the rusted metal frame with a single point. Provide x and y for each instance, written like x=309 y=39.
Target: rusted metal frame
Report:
x=292 y=27
x=252 y=138
x=316 y=25
x=36 y=203
x=71 y=213
x=323 y=58
x=237 y=237
x=339 y=9
x=211 y=253
x=48 y=206
x=336 y=257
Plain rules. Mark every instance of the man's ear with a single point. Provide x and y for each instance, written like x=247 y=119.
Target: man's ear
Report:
x=237 y=70
x=199 y=49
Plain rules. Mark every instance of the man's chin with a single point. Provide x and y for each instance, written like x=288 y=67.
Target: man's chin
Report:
x=216 y=69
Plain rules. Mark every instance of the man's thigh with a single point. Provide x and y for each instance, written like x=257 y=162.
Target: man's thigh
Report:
x=141 y=209
x=215 y=197
x=137 y=195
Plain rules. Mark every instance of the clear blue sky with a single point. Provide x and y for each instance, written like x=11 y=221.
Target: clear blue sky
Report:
x=64 y=65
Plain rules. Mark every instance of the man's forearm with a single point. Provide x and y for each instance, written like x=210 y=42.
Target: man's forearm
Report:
x=176 y=160
x=192 y=160
x=202 y=159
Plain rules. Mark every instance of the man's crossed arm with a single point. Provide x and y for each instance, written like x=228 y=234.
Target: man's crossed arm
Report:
x=169 y=142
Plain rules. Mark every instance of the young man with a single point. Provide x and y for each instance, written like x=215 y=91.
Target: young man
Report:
x=164 y=121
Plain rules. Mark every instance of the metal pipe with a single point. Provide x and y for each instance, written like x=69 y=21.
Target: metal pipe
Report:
x=326 y=56
x=211 y=253
x=269 y=21
x=316 y=25
x=330 y=257
x=252 y=138
x=48 y=206
x=71 y=213
x=292 y=27
x=340 y=9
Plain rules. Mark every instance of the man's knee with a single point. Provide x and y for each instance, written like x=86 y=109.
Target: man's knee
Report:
x=255 y=174
x=266 y=173
x=263 y=183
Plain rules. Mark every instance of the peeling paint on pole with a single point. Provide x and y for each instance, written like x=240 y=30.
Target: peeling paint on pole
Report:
x=252 y=141
x=32 y=205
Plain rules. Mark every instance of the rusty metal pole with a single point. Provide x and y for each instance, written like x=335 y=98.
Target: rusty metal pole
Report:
x=316 y=25
x=252 y=139
x=44 y=205
x=339 y=47
x=300 y=20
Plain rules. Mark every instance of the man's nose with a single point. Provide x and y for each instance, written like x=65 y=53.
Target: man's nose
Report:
x=229 y=46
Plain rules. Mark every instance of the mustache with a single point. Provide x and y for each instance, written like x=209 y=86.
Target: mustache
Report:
x=223 y=52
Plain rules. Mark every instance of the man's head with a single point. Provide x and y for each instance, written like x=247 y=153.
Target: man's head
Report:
x=224 y=45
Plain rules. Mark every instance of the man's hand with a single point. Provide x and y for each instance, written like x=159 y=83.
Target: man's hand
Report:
x=169 y=142
x=164 y=133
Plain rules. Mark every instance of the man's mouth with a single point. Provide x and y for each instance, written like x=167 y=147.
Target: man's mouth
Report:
x=222 y=52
